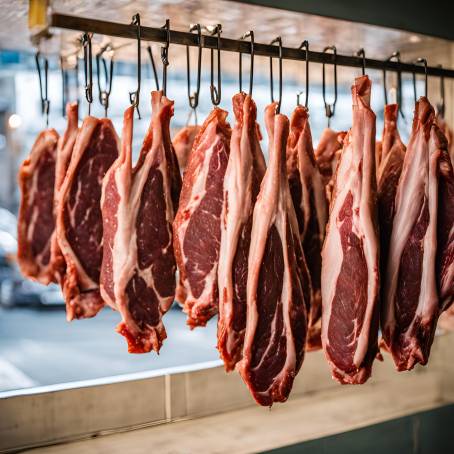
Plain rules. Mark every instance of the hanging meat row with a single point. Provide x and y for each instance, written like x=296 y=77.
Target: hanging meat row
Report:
x=317 y=249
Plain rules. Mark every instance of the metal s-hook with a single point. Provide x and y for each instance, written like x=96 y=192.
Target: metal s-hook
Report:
x=215 y=92
x=304 y=45
x=134 y=96
x=396 y=57
x=194 y=97
x=88 y=70
x=330 y=108
x=277 y=40
x=249 y=34
x=165 y=56
x=424 y=62
x=108 y=75
x=361 y=53
x=442 y=105
x=153 y=67
x=43 y=78
x=64 y=86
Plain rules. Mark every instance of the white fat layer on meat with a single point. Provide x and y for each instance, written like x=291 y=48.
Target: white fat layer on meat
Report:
x=311 y=181
x=64 y=152
x=130 y=187
x=237 y=209
x=82 y=142
x=270 y=209
x=355 y=171
x=418 y=181
x=207 y=145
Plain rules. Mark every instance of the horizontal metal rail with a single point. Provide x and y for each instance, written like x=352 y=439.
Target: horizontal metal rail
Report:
x=119 y=30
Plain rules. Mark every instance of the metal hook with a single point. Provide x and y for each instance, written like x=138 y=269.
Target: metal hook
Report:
x=165 y=56
x=45 y=103
x=108 y=75
x=277 y=40
x=424 y=62
x=194 y=97
x=153 y=67
x=215 y=92
x=64 y=85
x=330 y=108
x=305 y=45
x=394 y=56
x=88 y=70
x=249 y=34
x=362 y=53
x=134 y=96
x=442 y=105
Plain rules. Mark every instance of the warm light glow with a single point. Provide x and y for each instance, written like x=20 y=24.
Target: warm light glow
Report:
x=415 y=39
x=14 y=121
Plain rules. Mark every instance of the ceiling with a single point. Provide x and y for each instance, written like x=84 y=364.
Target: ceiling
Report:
x=236 y=18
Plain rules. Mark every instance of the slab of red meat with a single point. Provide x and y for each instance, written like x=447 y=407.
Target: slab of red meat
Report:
x=446 y=320
x=350 y=256
x=79 y=222
x=197 y=225
x=183 y=142
x=36 y=221
x=64 y=153
x=276 y=309
x=445 y=221
x=449 y=134
x=138 y=268
x=245 y=170
x=327 y=154
x=307 y=189
x=411 y=305
x=388 y=173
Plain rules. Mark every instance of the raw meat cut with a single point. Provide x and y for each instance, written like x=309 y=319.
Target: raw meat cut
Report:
x=79 y=222
x=390 y=168
x=36 y=221
x=245 y=170
x=327 y=154
x=446 y=320
x=276 y=324
x=64 y=153
x=197 y=225
x=138 y=267
x=183 y=142
x=449 y=134
x=309 y=199
x=350 y=256
x=411 y=306
x=445 y=221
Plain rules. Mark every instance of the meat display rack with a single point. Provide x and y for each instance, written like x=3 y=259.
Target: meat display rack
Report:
x=122 y=30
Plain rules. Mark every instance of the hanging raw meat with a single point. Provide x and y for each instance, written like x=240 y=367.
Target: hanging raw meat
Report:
x=449 y=134
x=276 y=325
x=411 y=305
x=79 y=222
x=445 y=221
x=350 y=257
x=64 y=153
x=197 y=225
x=327 y=154
x=390 y=168
x=183 y=142
x=309 y=199
x=245 y=170
x=138 y=268
x=36 y=221
x=446 y=320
